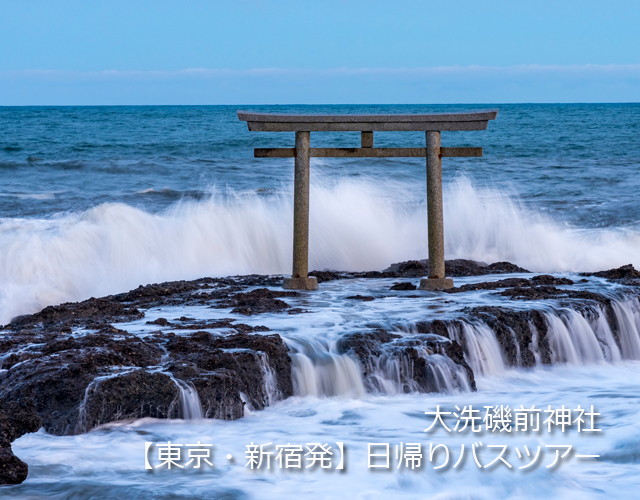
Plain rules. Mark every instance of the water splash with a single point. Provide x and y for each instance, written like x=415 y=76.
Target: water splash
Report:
x=115 y=247
x=319 y=370
x=270 y=381
x=481 y=347
x=627 y=315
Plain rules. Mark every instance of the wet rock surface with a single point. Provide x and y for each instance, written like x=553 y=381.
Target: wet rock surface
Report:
x=514 y=283
x=522 y=335
x=79 y=380
x=626 y=275
x=420 y=268
x=261 y=300
x=537 y=288
x=364 y=298
x=403 y=286
x=79 y=383
x=16 y=419
x=551 y=292
x=90 y=313
x=419 y=361
x=184 y=323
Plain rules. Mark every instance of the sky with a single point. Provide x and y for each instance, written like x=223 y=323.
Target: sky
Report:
x=72 y=52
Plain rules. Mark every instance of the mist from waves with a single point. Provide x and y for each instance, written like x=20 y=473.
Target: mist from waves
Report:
x=356 y=224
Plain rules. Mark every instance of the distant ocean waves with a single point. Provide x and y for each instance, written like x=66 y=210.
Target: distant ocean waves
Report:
x=356 y=224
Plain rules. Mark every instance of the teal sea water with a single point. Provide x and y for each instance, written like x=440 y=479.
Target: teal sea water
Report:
x=576 y=161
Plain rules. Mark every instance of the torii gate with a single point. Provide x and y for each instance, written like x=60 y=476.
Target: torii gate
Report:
x=302 y=125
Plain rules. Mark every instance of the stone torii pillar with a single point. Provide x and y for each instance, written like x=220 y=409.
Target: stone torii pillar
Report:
x=302 y=125
x=300 y=279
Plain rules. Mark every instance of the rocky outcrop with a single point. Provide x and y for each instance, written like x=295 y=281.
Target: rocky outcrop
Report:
x=453 y=268
x=16 y=419
x=514 y=283
x=248 y=359
x=80 y=382
x=105 y=374
x=626 y=275
x=420 y=268
x=67 y=368
x=416 y=359
x=122 y=396
x=403 y=286
x=90 y=313
x=261 y=300
x=364 y=298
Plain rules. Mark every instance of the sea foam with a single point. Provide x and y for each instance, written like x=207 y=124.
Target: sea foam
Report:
x=356 y=224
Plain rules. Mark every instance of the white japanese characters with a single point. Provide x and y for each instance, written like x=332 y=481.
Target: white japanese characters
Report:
x=294 y=456
x=170 y=455
x=495 y=420
x=439 y=456
x=504 y=419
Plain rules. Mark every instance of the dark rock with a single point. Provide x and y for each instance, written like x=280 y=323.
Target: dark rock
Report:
x=411 y=356
x=403 y=286
x=327 y=275
x=192 y=324
x=490 y=285
x=249 y=357
x=516 y=283
x=78 y=382
x=514 y=332
x=17 y=418
x=551 y=292
x=159 y=321
x=242 y=328
x=257 y=280
x=409 y=269
x=546 y=279
x=366 y=344
x=273 y=346
x=627 y=272
x=151 y=295
x=258 y=301
x=136 y=394
x=420 y=268
x=453 y=268
x=513 y=329
x=219 y=390
x=57 y=382
x=90 y=313
x=504 y=268
x=364 y=298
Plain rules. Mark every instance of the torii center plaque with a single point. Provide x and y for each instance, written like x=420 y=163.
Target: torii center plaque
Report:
x=302 y=125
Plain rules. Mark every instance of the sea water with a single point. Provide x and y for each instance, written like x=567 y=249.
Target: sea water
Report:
x=98 y=200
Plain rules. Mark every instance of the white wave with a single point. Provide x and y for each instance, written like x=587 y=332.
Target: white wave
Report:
x=481 y=347
x=30 y=196
x=355 y=225
x=164 y=190
x=319 y=370
x=487 y=225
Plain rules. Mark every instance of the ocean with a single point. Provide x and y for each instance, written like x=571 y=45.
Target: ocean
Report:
x=99 y=200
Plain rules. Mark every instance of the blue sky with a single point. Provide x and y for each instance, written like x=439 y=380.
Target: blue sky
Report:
x=252 y=51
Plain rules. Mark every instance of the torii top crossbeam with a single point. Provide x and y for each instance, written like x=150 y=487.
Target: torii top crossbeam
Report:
x=302 y=125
